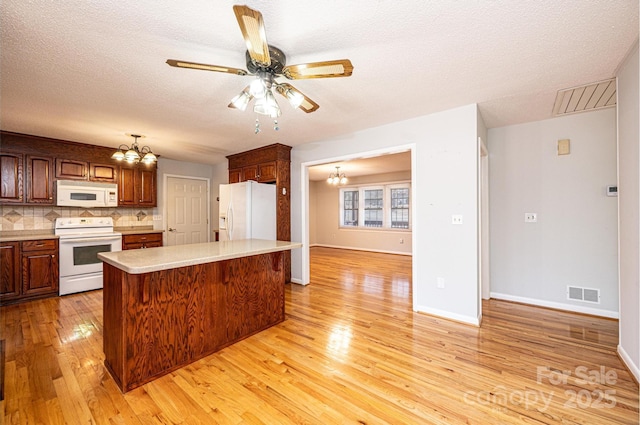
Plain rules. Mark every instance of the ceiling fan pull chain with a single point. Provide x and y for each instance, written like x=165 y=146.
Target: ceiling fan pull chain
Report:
x=257 y=126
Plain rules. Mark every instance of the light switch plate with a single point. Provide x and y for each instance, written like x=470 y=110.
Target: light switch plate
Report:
x=530 y=217
x=456 y=219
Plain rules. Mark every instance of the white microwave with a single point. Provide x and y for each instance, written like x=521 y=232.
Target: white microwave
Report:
x=72 y=193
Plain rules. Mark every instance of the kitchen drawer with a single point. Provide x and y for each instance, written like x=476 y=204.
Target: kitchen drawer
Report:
x=141 y=240
x=146 y=237
x=39 y=245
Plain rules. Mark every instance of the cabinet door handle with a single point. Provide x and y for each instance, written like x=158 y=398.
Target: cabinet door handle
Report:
x=53 y=255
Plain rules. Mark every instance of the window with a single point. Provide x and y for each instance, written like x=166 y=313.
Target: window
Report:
x=373 y=205
x=350 y=209
x=384 y=206
x=400 y=208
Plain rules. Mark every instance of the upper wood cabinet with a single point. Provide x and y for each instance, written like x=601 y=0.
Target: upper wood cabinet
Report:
x=35 y=186
x=11 y=177
x=137 y=186
x=107 y=173
x=39 y=182
x=263 y=173
x=71 y=169
x=30 y=165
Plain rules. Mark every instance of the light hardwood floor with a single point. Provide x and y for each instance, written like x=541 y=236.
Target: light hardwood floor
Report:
x=351 y=350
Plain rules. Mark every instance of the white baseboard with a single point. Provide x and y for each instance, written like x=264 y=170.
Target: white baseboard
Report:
x=469 y=320
x=633 y=368
x=298 y=281
x=558 y=306
x=360 y=249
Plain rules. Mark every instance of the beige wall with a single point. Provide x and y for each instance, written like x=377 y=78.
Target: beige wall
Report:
x=324 y=219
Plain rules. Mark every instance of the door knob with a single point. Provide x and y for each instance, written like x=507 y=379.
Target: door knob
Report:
x=172 y=229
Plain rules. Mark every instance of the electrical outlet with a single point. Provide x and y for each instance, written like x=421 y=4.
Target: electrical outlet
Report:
x=440 y=282
x=401 y=240
x=456 y=219
x=157 y=217
x=530 y=218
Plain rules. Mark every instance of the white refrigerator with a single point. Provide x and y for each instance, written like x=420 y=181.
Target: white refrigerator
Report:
x=247 y=211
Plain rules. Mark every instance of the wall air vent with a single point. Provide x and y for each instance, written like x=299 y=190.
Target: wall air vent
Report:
x=585 y=98
x=589 y=295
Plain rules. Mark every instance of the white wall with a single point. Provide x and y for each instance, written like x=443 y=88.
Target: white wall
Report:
x=325 y=216
x=574 y=241
x=444 y=182
x=629 y=205
x=313 y=212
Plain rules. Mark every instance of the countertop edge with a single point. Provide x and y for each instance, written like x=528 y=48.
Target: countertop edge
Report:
x=167 y=265
x=27 y=237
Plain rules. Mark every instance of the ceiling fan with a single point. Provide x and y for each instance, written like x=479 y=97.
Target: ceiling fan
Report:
x=268 y=64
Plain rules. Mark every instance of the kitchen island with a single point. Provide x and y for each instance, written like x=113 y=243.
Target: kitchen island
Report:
x=167 y=307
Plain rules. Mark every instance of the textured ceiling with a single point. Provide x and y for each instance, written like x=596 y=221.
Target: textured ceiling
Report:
x=93 y=71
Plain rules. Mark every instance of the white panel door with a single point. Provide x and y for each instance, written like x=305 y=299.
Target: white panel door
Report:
x=187 y=218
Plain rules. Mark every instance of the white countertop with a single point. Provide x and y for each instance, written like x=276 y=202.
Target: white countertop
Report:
x=137 y=261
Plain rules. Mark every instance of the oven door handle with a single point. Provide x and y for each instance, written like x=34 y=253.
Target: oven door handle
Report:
x=92 y=239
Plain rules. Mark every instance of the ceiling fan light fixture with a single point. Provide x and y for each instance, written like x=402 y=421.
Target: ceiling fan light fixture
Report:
x=267 y=105
x=241 y=101
x=295 y=98
x=258 y=88
x=266 y=63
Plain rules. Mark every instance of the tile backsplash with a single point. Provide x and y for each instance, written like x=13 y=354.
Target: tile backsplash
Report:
x=43 y=218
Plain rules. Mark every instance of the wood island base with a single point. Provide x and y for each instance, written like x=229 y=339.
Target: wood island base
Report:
x=159 y=321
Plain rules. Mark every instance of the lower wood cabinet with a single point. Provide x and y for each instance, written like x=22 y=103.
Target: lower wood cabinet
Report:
x=141 y=240
x=10 y=272
x=157 y=322
x=28 y=270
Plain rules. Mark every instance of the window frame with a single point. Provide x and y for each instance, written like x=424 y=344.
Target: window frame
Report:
x=386 y=208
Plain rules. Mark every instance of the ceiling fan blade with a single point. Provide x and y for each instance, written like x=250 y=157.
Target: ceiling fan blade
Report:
x=328 y=69
x=252 y=27
x=290 y=92
x=205 y=67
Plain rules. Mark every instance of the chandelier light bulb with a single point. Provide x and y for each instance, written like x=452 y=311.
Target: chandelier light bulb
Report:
x=295 y=98
x=257 y=88
x=241 y=101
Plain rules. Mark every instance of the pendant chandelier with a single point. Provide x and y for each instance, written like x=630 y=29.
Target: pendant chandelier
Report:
x=337 y=178
x=135 y=153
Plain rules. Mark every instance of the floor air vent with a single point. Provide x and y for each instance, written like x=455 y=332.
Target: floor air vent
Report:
x=577 y=293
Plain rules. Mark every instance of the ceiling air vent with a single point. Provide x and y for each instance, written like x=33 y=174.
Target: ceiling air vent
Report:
x=585 y=98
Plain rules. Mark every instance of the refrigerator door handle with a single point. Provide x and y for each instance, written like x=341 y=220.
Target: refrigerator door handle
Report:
x=230 y=222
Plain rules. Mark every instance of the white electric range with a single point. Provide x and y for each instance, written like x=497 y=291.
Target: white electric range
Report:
x=81 y=239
